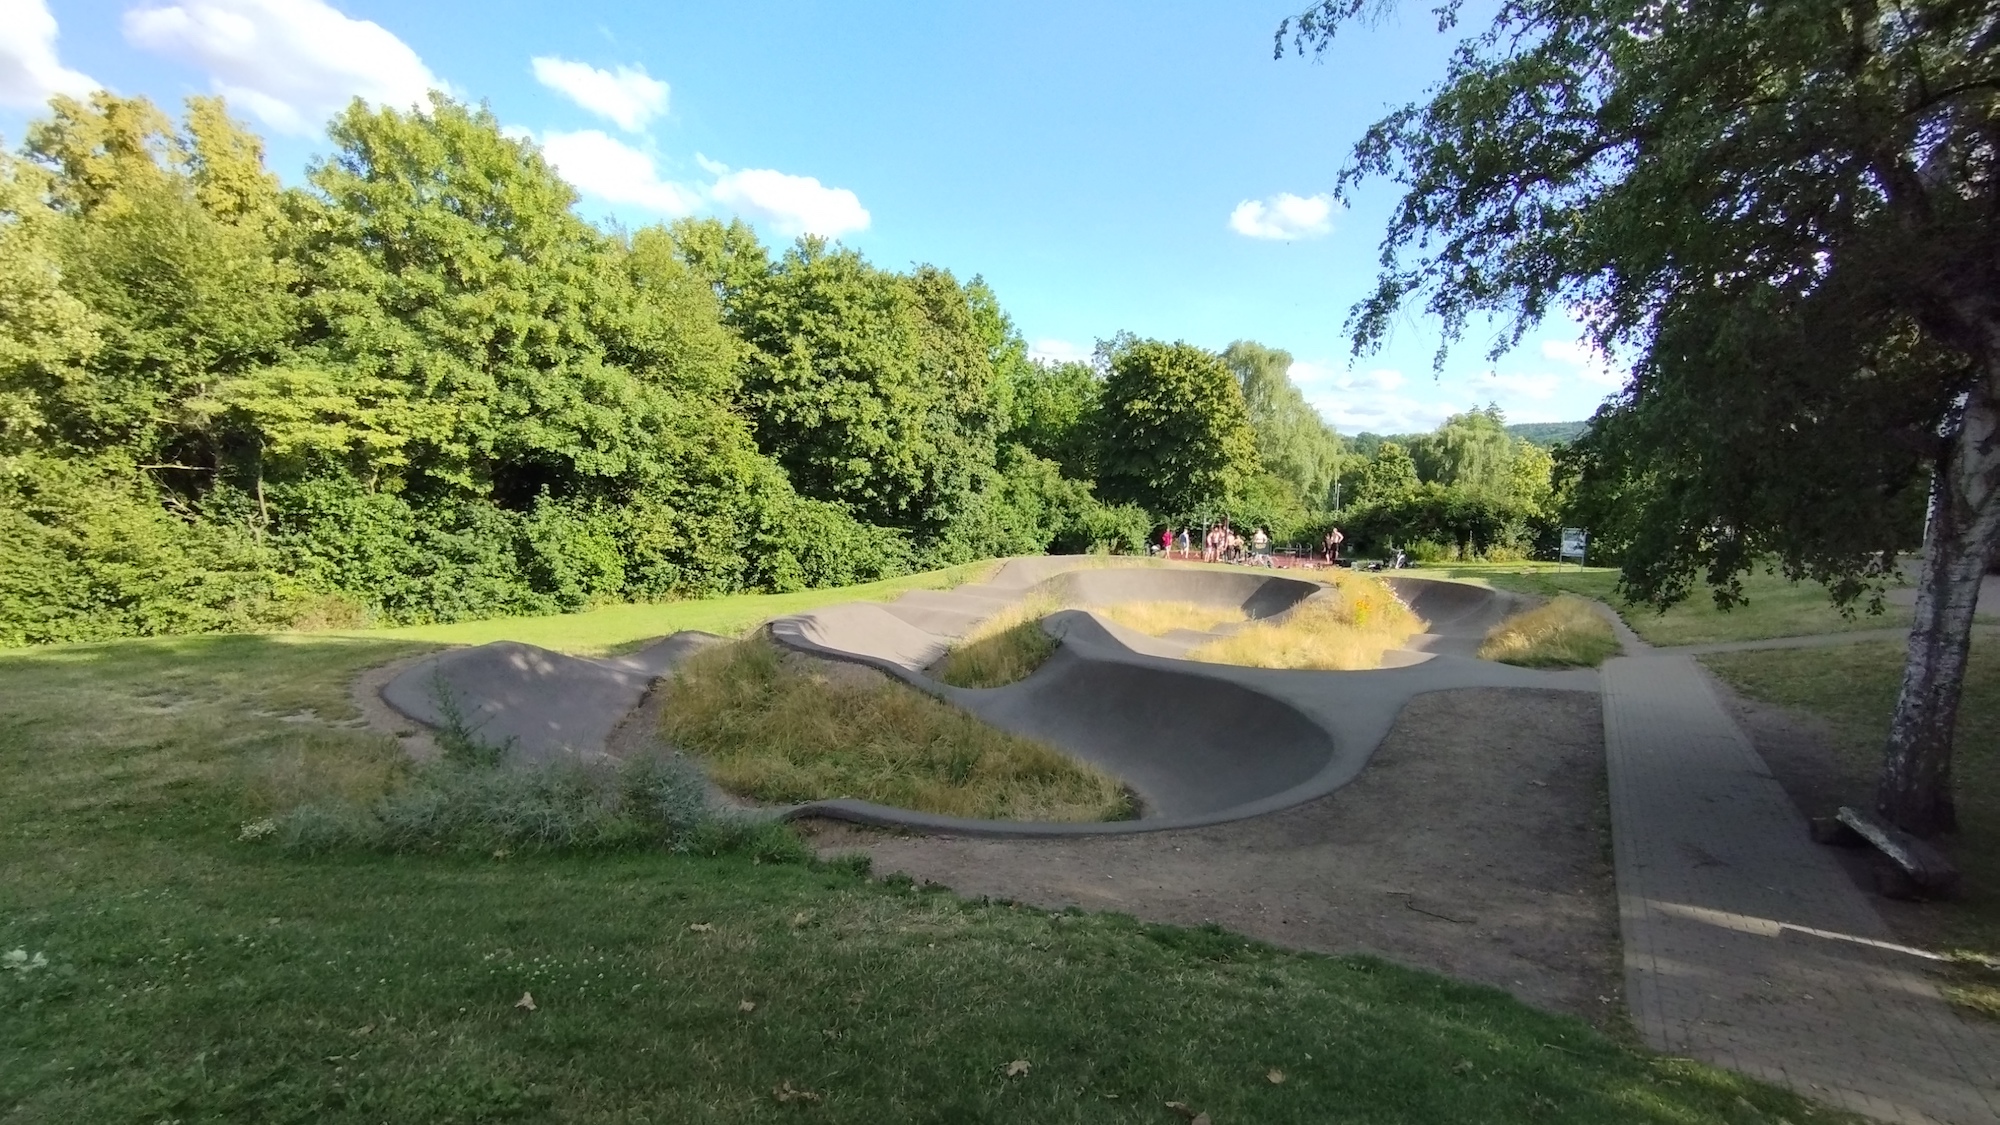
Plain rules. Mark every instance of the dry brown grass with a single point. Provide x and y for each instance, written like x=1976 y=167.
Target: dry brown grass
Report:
x=1160 y=618
x=1347 y=628
x=1565 y=633
x=783 y=727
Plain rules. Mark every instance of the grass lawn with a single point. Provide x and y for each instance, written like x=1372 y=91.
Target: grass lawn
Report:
x=613 y=629
x=1776 y=607
x=1853 y=687
x=185 y=975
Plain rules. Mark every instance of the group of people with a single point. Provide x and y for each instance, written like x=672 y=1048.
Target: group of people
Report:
x=1222 y=543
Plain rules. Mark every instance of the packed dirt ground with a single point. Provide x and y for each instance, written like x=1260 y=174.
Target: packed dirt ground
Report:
x=1474 y=844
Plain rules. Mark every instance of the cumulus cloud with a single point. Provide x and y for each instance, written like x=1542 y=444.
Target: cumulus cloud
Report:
x=1284 y=217
x=30 y=73
x=627 y=96
x=291 y=63
x=792 y=205
x=1058 y=351
x=603 y=166
x=1589 y=363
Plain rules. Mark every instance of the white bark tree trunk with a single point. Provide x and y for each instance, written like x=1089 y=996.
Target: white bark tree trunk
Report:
x=1914 y=790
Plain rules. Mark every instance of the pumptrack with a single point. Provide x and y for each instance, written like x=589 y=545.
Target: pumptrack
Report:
x=1198 y=743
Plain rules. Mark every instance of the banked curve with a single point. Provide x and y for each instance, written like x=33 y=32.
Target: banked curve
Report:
x=1199 y=743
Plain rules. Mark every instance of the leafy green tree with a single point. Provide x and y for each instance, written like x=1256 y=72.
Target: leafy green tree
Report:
x=47 y=335
x=872 y=389
x=1293 y=441
x=1472 y=451
x=1052 y=408
x=1390 y=476
x=1705 y=183
x=1173 y=435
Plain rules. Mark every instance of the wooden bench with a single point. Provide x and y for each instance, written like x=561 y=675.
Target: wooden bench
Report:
x=1914 y=869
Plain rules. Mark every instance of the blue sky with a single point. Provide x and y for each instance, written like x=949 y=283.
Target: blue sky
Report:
x=1106 y=166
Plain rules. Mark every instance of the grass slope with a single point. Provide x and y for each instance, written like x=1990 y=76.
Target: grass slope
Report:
x=1349 y=630
x=1853 y=687
x=1005 y=647
x=189 y=976
x=613 y=629
x=1566 y=632
x=1777 y=608
x=781 y=727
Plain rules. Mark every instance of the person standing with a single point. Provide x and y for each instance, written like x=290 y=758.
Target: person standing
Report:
x=1260 y=547
x=1167 y=542
x=1333 y=541
x=1184 y=543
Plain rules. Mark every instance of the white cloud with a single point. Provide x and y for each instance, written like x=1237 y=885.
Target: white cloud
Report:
x=1058 y=351
x=601 y=165
x=1284 y=216
x=292 y=63
x=627 y=96
x=1371 y=401
x=1590 y=364
x=1537 y=386
x=793 y=205
x=29 y=71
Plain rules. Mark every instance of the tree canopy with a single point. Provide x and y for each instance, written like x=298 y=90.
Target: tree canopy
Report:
x=1173 y=433
x=1785 y=214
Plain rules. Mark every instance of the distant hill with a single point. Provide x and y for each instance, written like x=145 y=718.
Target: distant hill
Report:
x=1548 y=433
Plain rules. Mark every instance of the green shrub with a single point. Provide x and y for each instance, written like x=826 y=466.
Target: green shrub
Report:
x=448 y=806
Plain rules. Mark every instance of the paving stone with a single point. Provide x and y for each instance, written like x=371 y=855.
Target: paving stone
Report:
x=1747 y=945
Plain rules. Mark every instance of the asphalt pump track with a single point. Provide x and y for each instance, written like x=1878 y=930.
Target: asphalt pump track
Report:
x=1198 y=743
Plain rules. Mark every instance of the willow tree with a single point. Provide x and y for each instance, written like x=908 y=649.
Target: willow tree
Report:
x=1786 y=214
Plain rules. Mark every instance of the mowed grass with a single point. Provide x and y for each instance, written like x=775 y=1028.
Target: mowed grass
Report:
x=191 y=976
x=613 y=629
x=1160 y=618
x=1776 y=607
x=1853 y=688
x=1346 y=628
x=782 y=727
x=1565 y=632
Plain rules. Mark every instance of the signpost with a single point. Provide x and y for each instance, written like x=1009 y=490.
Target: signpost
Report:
x=1574 y=541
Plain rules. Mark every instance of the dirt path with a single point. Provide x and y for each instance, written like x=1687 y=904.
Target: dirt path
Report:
x=1475 y=844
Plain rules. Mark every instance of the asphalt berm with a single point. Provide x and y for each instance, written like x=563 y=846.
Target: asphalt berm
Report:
x=1199 y=743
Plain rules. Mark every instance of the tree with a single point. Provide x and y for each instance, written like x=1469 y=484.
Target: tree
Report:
x=1173 y=435
x=1389 y=477
x=1472 y=451
x=1051 y=408
x=872 y=389
x=1703 y=183
x=1293 y=441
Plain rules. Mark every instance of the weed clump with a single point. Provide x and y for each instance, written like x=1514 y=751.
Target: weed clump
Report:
x=652 y=801
x=1567 y=632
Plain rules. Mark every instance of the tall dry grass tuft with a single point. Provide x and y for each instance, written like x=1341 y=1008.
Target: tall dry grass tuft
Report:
x=1006 y=647
x=778 y=726
x=1160 y=618
x=1565 y=633
x=1345 y=628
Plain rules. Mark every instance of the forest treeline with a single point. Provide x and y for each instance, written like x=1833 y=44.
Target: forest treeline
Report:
x=420 y=388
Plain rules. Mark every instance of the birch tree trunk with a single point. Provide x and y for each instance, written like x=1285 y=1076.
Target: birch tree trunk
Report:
x=1914 y=790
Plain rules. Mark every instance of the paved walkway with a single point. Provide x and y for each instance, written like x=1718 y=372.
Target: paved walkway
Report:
x=1746 y=945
